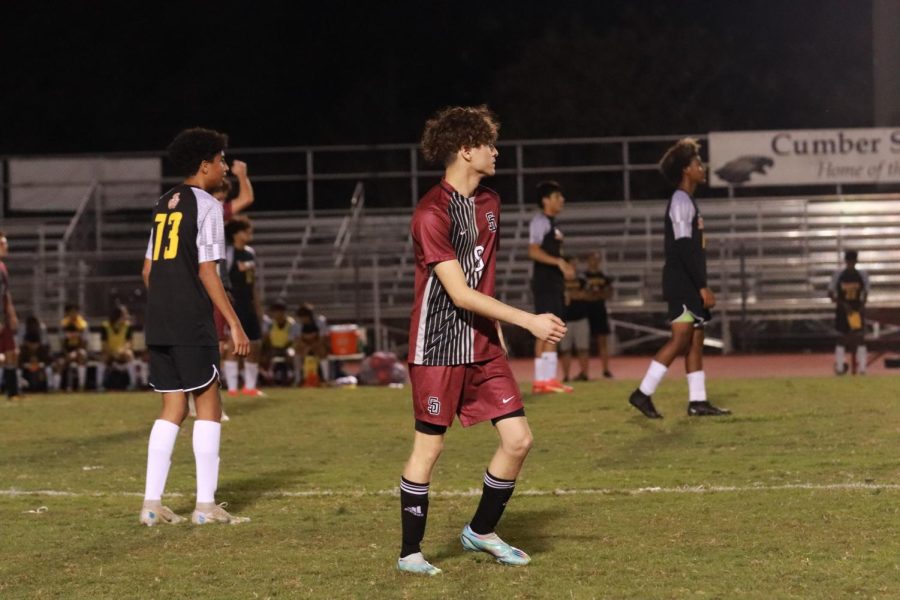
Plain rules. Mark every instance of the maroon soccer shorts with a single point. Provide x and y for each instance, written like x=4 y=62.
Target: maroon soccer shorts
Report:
x=221 y=324
x=476 y=392
x=7 y=340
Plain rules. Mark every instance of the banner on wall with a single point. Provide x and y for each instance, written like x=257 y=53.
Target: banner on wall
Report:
x=59 y=184
x=804 y=157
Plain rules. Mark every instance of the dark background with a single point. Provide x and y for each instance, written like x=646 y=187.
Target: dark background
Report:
x=99 y=76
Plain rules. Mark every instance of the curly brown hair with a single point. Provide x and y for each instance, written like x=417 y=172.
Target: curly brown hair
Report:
x=456 y=127
x=678 y=158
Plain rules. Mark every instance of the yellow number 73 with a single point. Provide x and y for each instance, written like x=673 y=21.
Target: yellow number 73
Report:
x=171 y=250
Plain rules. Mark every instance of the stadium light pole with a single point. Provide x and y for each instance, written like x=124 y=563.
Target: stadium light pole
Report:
x=885 y=63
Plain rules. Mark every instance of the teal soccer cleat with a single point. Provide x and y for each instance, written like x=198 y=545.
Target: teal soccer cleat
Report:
x=493 y=545
x=416 y=563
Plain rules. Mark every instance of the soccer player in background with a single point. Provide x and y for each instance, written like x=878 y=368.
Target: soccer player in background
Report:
x=578 y=339
x=241 y=260
x=601 y=287
x=548 y=280
x=8 y=327
x=849 y=290
x=685 y=286
x=280 y=330
x=310 y=347
x=116 y=335
x=183 y=283
x=232 y=207
x=74 y=328
x=458 y=365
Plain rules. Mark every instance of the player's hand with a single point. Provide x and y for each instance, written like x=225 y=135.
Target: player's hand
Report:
x=239 y=341
x=547 y=327
x=568 y=270
x=239 y=168
x=709 y=300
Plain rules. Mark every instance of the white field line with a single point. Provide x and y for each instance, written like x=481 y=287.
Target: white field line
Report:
x=699 y=489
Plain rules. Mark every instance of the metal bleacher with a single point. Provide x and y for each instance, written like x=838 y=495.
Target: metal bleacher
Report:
x=769 y=258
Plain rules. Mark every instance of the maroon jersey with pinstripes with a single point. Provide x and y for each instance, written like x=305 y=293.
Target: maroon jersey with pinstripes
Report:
x=447 y=226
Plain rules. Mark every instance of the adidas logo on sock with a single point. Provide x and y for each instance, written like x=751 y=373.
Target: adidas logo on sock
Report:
x=414 y=510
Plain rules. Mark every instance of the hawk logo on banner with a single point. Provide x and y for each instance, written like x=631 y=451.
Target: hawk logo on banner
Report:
x=739 y=170
x=804 y=157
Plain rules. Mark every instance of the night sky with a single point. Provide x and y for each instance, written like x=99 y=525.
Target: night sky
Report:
x=128 y=75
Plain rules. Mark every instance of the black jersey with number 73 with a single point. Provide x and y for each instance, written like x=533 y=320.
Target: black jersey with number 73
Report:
x=187 y=229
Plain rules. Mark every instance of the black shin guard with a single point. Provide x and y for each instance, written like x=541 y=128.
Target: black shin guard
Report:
x=11 y=382
x=494 y=496
x=413 y=515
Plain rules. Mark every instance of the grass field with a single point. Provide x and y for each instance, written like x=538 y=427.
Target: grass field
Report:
x=796 y=496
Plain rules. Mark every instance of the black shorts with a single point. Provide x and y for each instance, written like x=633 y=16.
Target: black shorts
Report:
x=701 y=315
x=183 y=368
x=842 y=322
x=249 y=321
x=599 y=320
x=549 y=299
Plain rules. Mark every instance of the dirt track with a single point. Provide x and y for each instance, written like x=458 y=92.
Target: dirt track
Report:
x=719 y=367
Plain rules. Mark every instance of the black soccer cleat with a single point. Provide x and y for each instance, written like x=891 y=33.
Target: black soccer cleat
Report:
x=705 y=409
x=643 y=403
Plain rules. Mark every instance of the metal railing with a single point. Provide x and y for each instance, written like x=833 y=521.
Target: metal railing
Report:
x=350 y=224
x=318 y=177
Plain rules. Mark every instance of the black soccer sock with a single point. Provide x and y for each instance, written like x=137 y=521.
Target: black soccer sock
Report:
x=494 y=496
x=11 y=381
x=413 y=515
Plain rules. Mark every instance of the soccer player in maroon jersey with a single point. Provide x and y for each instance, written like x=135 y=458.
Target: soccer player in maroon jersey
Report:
x=458 y=363
x=8 y=325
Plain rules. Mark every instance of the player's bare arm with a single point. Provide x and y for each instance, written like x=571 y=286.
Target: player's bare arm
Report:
x=546 y=327
x=145 y=272
x=212 y=282
x=501 y=337
x=537 y=254
x=245 y=189
x=709 y=299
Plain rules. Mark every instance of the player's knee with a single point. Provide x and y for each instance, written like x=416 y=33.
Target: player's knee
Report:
x=519 y=445
x=430 y=452
x=683 y=344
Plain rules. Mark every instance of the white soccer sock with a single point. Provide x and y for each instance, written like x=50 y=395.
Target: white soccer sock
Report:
x=538 y=368
x=861 y=358
x=654 y=375
x=144 y=369
x=697 y=386
x=298 y=369
x=839 y=357
x=101 y=375
x=159 y=457
x=550 y=359
x=56 y=381
x=231 y=374
x=132 y=373
x=206 y=454
x=251 y=374
x=82 y=376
